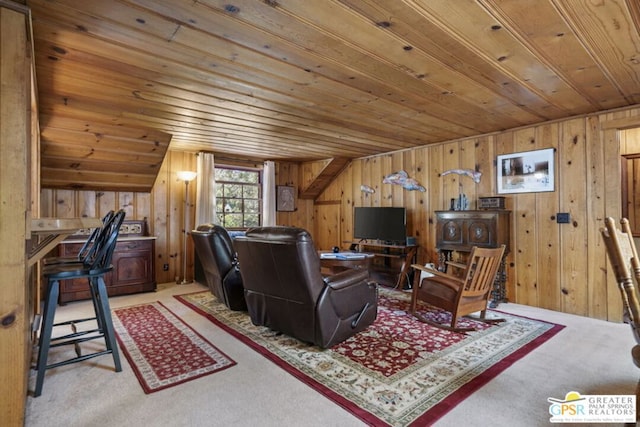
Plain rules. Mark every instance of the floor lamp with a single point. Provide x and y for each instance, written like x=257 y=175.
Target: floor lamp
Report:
x=185 y=176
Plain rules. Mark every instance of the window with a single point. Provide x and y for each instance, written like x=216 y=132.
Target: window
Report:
x=238 y=197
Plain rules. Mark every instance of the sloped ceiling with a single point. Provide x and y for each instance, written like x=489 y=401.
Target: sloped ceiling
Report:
x=120 y=81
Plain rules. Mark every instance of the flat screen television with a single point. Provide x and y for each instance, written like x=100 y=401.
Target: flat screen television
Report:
x=380 y=223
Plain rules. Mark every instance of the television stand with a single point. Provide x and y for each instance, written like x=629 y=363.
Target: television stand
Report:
x=391 y=264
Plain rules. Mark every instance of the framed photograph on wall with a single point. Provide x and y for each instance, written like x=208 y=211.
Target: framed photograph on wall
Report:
x=526 y=172
x=285 y=198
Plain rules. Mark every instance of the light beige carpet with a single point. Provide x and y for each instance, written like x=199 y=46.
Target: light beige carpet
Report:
x=399 y=370
x=588 y=356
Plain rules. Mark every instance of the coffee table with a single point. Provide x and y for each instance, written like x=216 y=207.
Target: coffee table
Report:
x=337 y=262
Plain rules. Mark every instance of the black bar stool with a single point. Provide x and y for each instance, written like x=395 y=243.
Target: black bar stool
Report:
x=88 y=249
x=93 y=268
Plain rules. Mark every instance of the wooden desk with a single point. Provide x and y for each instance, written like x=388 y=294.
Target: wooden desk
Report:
x=48 y=232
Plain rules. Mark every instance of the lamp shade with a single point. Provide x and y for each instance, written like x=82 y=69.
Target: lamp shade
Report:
x=187 y=175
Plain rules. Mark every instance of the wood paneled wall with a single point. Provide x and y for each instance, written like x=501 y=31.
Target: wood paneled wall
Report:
x=163 y=208
x=303 y=216
x=561 y=267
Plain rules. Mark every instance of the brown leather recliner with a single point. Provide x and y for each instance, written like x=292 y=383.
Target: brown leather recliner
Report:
x=220 y=264
x=285 y=291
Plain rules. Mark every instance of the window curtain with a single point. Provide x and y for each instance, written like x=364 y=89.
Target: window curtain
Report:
x=269 y=194
x=206 y=190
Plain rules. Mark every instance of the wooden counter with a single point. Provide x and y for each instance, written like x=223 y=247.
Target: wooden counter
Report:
x=46 y=233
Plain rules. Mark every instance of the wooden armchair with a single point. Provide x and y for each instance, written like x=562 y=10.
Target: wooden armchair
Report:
x=623 y=256
x=461 y=295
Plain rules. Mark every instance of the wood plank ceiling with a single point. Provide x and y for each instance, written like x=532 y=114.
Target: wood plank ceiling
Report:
x=306 y=80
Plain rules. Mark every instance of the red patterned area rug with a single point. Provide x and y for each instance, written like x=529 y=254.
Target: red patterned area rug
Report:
x=399 y=371
x=163 y=350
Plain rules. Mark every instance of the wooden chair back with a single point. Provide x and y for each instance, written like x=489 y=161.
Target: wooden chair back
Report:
x=480 y=273
x=623 y=257
x=461 y=295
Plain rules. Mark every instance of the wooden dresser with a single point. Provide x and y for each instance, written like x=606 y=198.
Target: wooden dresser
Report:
x=133 y=264
x=459 y=231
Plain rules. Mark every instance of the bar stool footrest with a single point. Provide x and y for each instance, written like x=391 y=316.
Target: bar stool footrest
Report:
x=79 y=359
x=72 y=339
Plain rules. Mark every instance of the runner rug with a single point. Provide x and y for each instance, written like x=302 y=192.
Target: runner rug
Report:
x=399 y=371
x=162 y=350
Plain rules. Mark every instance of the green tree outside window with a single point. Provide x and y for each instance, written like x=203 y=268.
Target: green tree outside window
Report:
x=238 y=197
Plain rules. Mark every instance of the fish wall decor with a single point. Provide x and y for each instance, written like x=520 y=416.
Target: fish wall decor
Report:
x=367 y=189
x=473 y=174
x=402 y=178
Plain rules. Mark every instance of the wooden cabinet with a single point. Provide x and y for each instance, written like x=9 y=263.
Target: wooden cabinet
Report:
x=459 y=231
x=133 y=269
x=391 y=264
